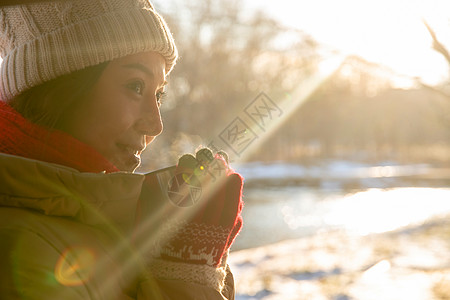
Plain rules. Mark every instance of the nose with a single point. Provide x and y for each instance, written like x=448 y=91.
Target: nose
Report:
x=150 y=122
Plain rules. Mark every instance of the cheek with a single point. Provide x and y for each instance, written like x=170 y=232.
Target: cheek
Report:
x=113 y=125
x=104 y=123
x=114 y=111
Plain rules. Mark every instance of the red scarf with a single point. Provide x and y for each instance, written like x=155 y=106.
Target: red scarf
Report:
x=20 y=137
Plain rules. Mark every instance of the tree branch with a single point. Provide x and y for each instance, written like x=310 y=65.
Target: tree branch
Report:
x=438 y=46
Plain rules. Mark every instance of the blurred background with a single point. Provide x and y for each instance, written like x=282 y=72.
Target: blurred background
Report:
x=337 y=113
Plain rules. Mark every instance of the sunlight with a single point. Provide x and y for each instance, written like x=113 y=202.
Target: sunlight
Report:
x=288 y=105
x=377 y=210
x=382 y=282
x=394 y=171
x=388 y=32
x=377 y=271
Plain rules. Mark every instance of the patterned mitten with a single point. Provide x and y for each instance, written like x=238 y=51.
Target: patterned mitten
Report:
x=211 y=194
x=188 y=218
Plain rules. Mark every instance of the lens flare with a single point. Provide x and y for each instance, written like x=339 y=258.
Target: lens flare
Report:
x=75 y=266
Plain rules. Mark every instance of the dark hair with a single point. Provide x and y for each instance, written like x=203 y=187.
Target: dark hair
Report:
x=47 y=104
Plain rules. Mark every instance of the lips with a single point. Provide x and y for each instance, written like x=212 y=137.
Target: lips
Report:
x=133 y=150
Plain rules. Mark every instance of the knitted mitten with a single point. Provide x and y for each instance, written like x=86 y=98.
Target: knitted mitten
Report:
x=189 y=218
x=212 y=195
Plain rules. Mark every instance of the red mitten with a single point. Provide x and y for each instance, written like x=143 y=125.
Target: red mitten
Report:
x=211 y=196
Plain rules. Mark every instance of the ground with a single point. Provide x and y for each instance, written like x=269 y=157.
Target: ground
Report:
x=411 y=263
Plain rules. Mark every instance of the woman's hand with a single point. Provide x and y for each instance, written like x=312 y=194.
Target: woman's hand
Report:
x=192 y=215
x=211 y=194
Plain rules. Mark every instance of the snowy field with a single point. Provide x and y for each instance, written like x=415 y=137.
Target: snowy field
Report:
x=321 y=239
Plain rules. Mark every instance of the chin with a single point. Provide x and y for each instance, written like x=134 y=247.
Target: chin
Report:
x=134 y=169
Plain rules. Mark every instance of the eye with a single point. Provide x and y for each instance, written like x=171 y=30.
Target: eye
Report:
x=160 y=96
x=137 y=87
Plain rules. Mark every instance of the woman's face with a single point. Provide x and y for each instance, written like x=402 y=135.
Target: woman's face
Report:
x=121 y=113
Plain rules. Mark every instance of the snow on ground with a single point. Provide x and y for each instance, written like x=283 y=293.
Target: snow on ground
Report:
x=411 y=263
x=328 y=169
x=355 y=232
x=338 y=175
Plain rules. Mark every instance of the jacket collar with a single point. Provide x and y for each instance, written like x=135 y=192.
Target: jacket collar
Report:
x=90 y=198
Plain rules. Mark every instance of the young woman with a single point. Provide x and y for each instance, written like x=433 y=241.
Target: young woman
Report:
x=81 y=87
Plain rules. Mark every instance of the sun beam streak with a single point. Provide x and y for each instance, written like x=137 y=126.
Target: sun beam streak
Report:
x=258 y=130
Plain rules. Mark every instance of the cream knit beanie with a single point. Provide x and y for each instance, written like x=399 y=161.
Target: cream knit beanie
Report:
x=42 y=41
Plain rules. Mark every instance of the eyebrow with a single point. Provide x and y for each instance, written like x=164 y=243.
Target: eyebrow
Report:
x=143 y=69
x=139 y=67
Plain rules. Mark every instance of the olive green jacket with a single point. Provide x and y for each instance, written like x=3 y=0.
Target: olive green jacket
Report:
x=67 y=235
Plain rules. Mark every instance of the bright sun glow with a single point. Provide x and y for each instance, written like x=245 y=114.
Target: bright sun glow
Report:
x=389 y=32
x=376 y=210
